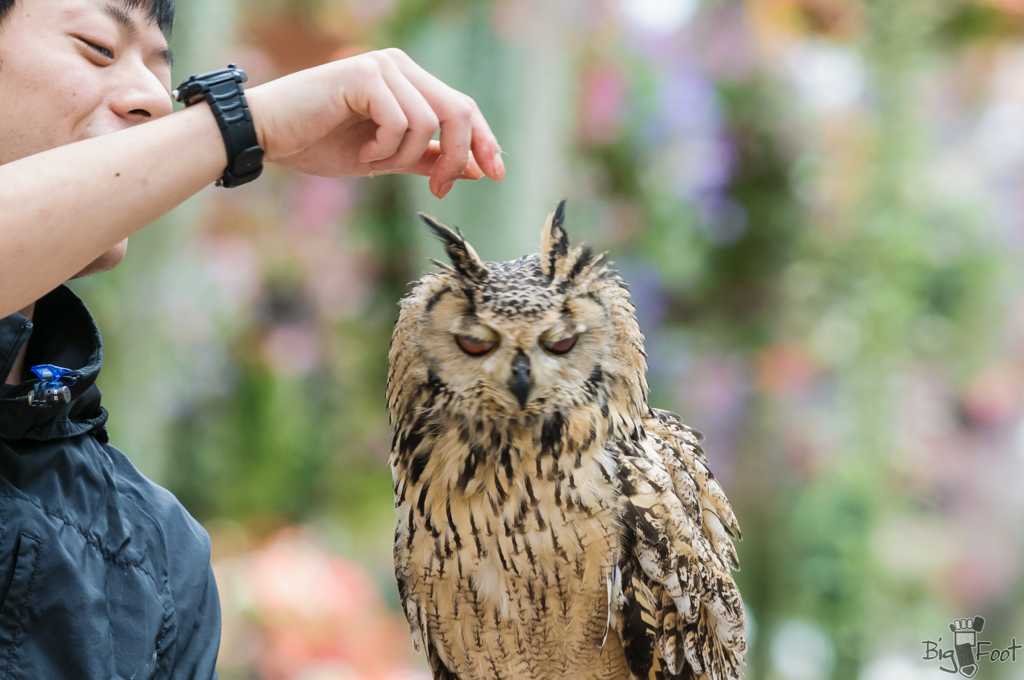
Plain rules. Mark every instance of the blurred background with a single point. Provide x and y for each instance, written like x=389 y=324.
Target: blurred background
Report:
x=819 y=205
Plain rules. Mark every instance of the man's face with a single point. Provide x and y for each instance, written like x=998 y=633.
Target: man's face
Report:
x=75 y=69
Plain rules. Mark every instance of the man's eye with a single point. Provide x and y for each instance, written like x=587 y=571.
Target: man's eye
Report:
x=108 y=53
x=560 y=346
x=473 y=346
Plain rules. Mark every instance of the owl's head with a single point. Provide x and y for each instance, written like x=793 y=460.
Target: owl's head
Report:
x=520 y=340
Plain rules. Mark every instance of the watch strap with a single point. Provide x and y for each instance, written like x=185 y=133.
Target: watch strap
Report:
x=222 y=90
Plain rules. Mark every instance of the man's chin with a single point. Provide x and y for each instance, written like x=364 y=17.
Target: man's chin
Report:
x=105 y=262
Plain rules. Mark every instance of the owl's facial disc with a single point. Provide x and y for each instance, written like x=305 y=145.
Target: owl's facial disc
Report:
x=516 y=342
x=515 y=352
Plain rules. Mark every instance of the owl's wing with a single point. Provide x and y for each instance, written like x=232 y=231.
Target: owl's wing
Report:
x=437 y=667
x=414 y=602
x=416 y=611
x=680 y=614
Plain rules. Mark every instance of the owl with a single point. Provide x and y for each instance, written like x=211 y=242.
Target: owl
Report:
x=551 y=524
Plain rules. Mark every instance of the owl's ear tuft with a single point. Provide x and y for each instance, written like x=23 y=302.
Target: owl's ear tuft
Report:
x=554 y=242
x=443 y=267
x=464 y=259
x=584 y=258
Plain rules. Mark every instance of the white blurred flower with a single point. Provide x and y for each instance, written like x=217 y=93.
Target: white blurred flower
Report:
x=328 y=671
x=915 y=547
x=829 y=77
x=750 y=627
x=1019 y=439
x=409 y=674
x=659 y=16
x=1000 y=136
x=895 y=667
x=801 y=651
x=1008 y=74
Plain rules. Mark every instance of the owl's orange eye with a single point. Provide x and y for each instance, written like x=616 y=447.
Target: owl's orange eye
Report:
x=472 y=346
x=561 y=346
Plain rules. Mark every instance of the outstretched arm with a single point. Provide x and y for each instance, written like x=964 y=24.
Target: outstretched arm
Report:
x=371 y=114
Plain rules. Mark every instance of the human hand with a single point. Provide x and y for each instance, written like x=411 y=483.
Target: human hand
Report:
x=374 y=114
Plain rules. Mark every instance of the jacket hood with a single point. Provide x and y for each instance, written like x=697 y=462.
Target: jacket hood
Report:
x=62 y=333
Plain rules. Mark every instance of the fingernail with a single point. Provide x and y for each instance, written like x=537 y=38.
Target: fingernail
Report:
x=499 y=165
x=445 y=188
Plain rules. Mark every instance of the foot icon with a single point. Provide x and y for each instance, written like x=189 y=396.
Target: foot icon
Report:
x=965 y=632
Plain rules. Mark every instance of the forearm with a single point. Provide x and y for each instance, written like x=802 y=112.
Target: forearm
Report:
x=370 y=114
x=63 y=208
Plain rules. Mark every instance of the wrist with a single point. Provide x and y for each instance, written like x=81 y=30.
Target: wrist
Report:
x=255 y=98
x=223 y=92
x=295 y=111
x=204 y=126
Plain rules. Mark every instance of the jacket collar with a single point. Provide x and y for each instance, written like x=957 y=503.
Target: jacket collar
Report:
x=62 y=333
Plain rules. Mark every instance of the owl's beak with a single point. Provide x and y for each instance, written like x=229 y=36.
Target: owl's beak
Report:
x=520 y=382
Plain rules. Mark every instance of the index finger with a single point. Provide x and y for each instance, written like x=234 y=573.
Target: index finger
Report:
x=448 y=103
x=425 y=165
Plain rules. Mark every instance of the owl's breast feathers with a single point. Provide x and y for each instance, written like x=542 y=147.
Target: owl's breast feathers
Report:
x=586 y=544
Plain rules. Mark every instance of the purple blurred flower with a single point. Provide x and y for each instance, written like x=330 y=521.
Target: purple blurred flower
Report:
x=688 y=103
x=689 y=128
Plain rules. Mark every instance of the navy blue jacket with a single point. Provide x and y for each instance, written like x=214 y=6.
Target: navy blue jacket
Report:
x=103 y=574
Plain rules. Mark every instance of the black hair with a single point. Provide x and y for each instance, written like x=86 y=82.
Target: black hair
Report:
x=160 y=12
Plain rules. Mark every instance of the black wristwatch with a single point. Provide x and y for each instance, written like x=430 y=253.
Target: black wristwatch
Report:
x=222 y=90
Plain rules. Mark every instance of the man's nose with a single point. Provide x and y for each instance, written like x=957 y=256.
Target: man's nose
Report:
x=141 y=97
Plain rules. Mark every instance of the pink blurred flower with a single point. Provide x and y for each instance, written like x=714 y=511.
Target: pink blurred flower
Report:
x=991 y=396
x=805 y=453
x=293 y=576
x=318 y=201
x=232 y=263
x=340 y=283
x=725 y=46
x=320 y=616
x=291 y=349
x=602 y=103
x=512 y=19
x=987 y=566
x=784 y=369
x=1010 y=6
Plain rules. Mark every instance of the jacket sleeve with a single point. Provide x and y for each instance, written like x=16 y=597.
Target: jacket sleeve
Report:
x=198 y=635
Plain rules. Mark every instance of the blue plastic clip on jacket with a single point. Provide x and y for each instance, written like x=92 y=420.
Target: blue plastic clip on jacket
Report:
x=52 y=389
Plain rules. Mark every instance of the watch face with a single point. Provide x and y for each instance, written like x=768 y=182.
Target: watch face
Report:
x=190 y=90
